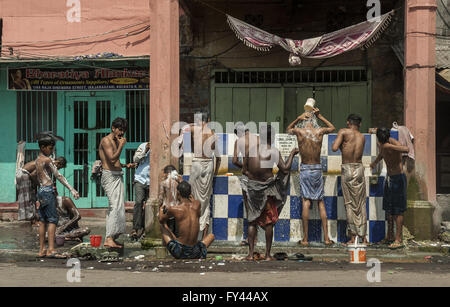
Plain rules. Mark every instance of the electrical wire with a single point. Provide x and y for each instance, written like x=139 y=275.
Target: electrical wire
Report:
x=76 y=38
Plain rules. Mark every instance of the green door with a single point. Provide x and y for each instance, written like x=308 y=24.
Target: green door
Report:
x=335 y=102
x=247 y=103
x=88 y=120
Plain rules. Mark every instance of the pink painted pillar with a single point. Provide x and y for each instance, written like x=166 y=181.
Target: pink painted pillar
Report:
x=420 y=61
x=164 y=94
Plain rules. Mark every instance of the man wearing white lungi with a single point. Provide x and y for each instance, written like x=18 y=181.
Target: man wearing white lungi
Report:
x=110 y=149
x=203 y=141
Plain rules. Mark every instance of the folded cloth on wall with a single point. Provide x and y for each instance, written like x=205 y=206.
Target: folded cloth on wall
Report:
x=405 y=138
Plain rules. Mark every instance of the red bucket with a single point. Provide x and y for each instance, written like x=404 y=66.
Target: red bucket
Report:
x=96 y=241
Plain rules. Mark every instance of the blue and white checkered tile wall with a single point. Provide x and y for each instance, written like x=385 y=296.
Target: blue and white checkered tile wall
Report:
x=228 y=217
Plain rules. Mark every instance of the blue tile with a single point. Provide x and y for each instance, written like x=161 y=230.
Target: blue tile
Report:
x=231 y=166
x=342 y=231
x=294 y=166
x=331 y=207
x=368 y=145
x=367 y=208
x=339 y=186
x=331 y=139
x=394 y=134
x=377 y=231
x=186 y=178
x=296 y=207
x=314 y=230
x=245 y=229
x=187 y=142
x=222 y=143
x=324 y=162
x=220 y=228
x=377 y=190
x=220 y=185
x=282 y=230
x=235 y=206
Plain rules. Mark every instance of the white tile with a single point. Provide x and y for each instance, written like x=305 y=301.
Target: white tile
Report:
x=332 y=230
x=230 y=144
x=286 y=212
x=372 y=209
x=330 y=185
x=324 y=148
x=341 y=213
x=223 y=164
x=374 y=146
x=234 y=185
x=367 y=181
x=296 y=230
x=220 y=206
x=334 y=163
x=295 y=184
x=381 y=214
x=235 y=229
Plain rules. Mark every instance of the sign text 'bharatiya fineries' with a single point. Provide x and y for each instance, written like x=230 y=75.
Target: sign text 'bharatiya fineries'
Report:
x=78 y=79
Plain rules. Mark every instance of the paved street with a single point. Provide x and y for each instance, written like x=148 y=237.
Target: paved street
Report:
x=209 y=273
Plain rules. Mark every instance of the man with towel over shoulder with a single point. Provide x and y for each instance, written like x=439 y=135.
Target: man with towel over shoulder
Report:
x=351 y=143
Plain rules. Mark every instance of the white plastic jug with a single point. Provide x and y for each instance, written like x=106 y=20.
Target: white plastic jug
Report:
x=357 y=252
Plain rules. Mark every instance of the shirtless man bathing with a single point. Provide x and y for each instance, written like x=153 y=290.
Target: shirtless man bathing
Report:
x=186 y=215
x=110 y=148
x=351 y=143
x=203 y=142
x=266 y=193
x=309 y=139
x=394 y=197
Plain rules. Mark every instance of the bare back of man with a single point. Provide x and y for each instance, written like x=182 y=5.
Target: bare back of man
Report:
x=246 y=146
x=200 y=135
x=352 y=145
x=392 y=157
x=309 y=143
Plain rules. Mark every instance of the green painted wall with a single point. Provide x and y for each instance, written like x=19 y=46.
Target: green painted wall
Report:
x=8 y=119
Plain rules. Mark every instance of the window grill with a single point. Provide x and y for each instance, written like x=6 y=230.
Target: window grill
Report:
x=36 y=112
x=290 y=76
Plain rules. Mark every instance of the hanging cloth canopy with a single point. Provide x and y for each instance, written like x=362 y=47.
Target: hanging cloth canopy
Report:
x=361 y=35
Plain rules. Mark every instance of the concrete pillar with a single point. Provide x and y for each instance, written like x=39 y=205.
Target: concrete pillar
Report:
x=420 y=102
x=164 y=96
x=420 y=114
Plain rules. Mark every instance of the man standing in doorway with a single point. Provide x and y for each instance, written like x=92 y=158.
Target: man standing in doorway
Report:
x=351 y=143
x=141 y=158
x=204 y=144
x=110 y=148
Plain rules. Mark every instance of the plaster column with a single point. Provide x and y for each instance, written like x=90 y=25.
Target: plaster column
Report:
x=420 y=101
x=164 y=96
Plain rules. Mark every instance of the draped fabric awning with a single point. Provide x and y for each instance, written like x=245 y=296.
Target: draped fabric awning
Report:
x=361 y=35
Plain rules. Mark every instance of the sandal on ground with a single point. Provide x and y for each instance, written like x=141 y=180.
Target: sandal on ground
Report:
x=56 y=255
x=396 y=245
x=243 y=243
x=385 y=242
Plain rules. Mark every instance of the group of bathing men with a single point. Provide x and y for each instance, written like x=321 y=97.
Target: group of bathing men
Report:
x=184 y=207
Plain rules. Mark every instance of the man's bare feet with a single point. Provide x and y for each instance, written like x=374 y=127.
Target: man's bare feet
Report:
x=42 y=253
x=109 y=242
x=329 y=242
x=268 y=258
x=249 y=258
x=303 y=243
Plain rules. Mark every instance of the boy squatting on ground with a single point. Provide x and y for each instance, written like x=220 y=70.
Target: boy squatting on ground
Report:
x=46 y=195
x=394 y=199
x=187 y=215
